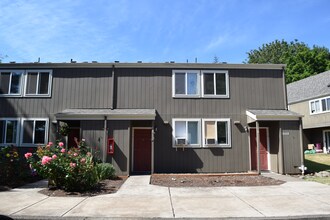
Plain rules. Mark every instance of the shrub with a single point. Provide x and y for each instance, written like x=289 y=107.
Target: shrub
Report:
x=13 y=170
x=72 y=170
x=105 y=171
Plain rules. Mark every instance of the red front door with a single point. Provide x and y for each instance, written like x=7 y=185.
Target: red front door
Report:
x=142 y=150
x=263 y=149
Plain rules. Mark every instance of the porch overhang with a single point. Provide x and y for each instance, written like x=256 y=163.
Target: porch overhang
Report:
x=110 y=114
x=272 y=115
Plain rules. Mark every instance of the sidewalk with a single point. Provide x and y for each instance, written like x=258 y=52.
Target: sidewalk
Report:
x=138 y=199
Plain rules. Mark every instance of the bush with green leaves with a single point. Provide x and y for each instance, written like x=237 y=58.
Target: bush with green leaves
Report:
x=72 y=170
x=105 y=171
x=9 y=164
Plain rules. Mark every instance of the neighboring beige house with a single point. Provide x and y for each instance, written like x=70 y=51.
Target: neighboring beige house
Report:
x=311 y=98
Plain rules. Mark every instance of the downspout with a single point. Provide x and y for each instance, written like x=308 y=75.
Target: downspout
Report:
x=105 y=135
x=284 y=90
x=113 y=88
x=258 y=146
x=301 y=143
x=152 y=146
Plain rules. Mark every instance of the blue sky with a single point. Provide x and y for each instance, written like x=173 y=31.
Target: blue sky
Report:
x=155 y=30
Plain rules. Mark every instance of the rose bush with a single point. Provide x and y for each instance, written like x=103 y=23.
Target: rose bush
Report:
x=72 y=170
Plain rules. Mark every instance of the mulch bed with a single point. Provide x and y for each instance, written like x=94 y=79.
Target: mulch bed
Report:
x=104 y=187
x=173 y=180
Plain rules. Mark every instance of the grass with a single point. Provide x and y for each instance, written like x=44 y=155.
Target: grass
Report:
x=317 y=163
x=324 y=180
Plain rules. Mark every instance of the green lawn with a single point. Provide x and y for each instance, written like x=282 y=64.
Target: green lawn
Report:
x=317 y=163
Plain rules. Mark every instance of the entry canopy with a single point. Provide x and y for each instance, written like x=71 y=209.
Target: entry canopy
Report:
x=111 y=114
x=272 y=115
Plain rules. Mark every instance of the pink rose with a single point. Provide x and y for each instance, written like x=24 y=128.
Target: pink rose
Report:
x=54 y=156
x=28 y=155
x=62 y=150
x=75 y=154
x=45 y=160
x=61 y=144
x=73 y=165
x=50 y=143
x=83 y=160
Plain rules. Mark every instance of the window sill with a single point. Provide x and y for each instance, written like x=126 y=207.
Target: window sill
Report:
x=202 y=147
x=12 y=96
x=215 y=96
x=37 y=96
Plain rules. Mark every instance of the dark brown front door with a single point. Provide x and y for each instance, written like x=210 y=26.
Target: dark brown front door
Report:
x=142 y=150
x=73 y=133
x=263 y=149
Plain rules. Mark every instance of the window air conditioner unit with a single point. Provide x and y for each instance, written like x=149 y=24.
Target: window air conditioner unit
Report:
x=210 y=141
x=180 y=141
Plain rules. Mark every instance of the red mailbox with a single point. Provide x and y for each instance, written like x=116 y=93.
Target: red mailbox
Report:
x=111 y=146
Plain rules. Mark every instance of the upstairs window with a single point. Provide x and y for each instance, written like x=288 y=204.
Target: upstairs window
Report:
x=215 y=84
x=8 y=131
x=321 y=105
x=216 y=132
x=10 y=83
x=34 y=131
x=38 y=83
x=186 y=132
x=186 y=83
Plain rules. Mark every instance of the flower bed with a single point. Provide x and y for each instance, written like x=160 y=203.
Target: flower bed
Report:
x=75 y=169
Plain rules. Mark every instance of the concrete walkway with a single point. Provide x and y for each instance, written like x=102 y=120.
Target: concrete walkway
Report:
x=138 y=199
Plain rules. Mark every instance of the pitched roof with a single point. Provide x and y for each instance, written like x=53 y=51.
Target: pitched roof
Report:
x=309 y=88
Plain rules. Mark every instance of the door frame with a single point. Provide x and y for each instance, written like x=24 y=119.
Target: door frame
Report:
x=325 y=141
x=133 y=133
x=268 y=146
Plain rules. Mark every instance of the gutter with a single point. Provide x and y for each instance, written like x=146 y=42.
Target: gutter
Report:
x=113 y=88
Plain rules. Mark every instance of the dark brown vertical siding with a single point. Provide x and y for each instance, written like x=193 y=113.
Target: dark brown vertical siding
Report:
x=249 y=89
x=291 y=146
x=71 y=88
x=92 y=132
x=120 y=131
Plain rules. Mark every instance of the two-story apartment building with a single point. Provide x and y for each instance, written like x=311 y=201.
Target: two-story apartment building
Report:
x=311 y=98
x=158 y=117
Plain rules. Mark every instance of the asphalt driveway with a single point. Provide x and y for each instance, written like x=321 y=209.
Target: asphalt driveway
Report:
x=138 y=199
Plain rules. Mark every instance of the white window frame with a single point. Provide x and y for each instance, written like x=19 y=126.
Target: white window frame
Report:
x=39 y=71
x=321 y=107
x=17 y=130
x=21 y=82
x=186 y=95
x=198 y=145
x=214 y=78
x=33 y=134
x=227 y=145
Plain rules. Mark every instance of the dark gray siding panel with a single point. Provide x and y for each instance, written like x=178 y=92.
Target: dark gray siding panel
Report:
x=120 y=131
x=71 y=88
x=291 y=146
x=92 y=132
x=249 y=89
